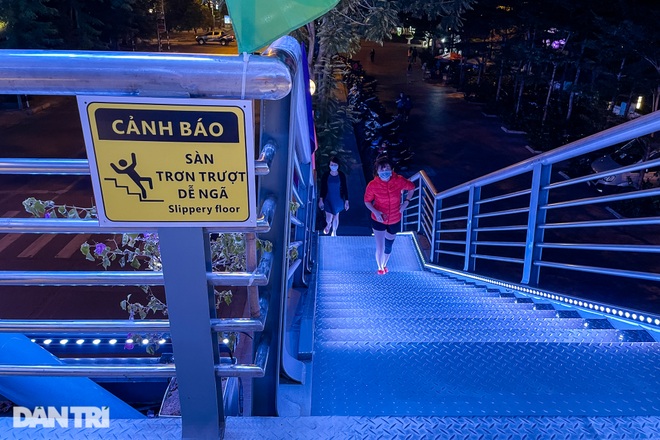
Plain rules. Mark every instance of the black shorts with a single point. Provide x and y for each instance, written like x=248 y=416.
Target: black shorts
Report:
x=392 y=229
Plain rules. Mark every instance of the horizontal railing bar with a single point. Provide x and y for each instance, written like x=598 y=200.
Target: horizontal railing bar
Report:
x=458 y=254
x=80 y=226
x=242 y=324
x=115 y=278
x=596 y=176
x=512 y=195
x=500 y=243
x=502 y=228
x=258 y=369
x=602 y=271
x=83 y=326
x=452 y=219
x=604 y=223
x=57 y=72
x=604 y=199
x=127 y=371
x=603 y=247
x=451 y=208
x=461 y=242
x=506 y=212
x=452 y=230
x=498 y=258
x=79 y=278
x=74 y=167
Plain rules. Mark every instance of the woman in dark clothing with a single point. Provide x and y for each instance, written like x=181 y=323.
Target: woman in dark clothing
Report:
x=333 y=197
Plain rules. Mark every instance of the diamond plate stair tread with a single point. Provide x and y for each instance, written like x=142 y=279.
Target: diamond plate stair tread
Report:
x=357 y=253
x=442 y=428
x=442 y=324
x=119 y=429
x=428 y=334
x=424 y=312
x=371 y=379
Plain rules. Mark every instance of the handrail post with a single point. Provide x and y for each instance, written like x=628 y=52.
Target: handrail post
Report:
x=535 y=219
x=436 y=229
x=191 y=301
x=471 y=229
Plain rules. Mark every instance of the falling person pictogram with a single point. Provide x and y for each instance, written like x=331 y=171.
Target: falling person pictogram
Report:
x=129 y=170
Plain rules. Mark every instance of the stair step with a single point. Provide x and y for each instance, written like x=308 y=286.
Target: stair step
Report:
x=424 y=312
x=484 y=378
x=447 y=324
x=398 y=333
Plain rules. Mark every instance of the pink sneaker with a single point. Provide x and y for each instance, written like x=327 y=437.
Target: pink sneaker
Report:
x=381 y=272
x=385 y=269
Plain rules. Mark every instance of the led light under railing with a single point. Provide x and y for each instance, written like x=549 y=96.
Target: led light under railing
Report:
x=112 y=341
x=225 y=341
x=162 y=341
x=129 y=341
x=47 y=341
x=80 y=341
x=96 y=341
x=64 y=341
x=145 y=341
x=33 y=340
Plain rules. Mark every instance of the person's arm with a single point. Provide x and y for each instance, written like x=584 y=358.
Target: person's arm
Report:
x=324 y=190
x=369 y=198
x=409 y=187
x=343 y=189
x=376 y=213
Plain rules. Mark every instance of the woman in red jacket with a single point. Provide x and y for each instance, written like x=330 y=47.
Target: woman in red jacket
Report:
x=383 y=199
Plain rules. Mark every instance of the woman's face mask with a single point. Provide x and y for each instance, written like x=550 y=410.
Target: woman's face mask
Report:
x=385 y=175
x=334 y=167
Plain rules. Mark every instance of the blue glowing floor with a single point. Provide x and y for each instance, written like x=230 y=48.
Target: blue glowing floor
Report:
x=413 y=343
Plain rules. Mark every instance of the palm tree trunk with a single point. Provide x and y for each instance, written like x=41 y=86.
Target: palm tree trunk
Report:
x=547 y=98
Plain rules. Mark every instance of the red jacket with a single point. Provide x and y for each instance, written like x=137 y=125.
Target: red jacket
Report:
x=386 y=196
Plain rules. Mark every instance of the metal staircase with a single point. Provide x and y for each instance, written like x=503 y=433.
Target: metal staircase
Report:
x=416 y=354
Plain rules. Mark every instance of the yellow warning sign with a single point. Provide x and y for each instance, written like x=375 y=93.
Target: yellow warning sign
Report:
x=166 y=163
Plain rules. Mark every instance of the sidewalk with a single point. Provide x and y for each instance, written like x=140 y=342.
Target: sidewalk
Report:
x=12 y=117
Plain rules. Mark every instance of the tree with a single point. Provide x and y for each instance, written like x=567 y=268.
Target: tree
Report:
x=29 y=24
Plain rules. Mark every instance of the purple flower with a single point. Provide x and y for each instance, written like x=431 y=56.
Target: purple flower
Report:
x=100 y=247
x=47 y=215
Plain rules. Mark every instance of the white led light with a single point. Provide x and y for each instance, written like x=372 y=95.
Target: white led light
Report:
x=649 y=320
x=620 y=313
x=634 y=315
x=627 y=315
x=641 y=318
x=80 y=341
x=657 y=322
x=96 y=341
x=607 y=310
x=64 y=341
x=33 y=340
x=162 y=341
x=225 y=341
x=145 y=341
x=602 y=309
x=47 y=341
x=129 y=341
x=580 y=303
x=112 y=341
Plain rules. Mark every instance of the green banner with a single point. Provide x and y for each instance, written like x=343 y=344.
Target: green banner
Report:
x=258 y=23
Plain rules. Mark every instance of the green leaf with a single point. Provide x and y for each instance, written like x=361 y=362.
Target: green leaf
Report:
x=123 y=304
x=62 y=209
x=84 y=248
x=90 y=257
x=135 y=264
